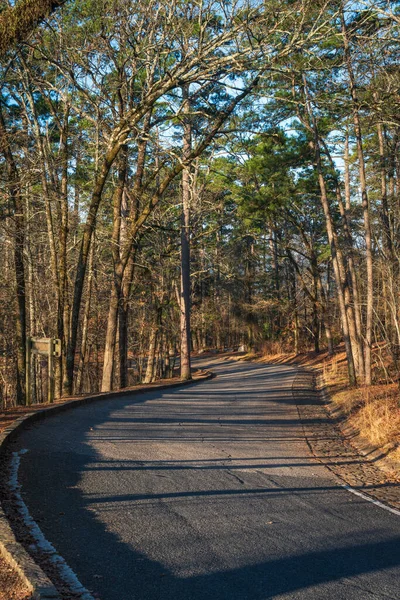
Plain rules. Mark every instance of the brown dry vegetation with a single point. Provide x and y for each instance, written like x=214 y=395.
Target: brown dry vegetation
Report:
x=374 y=413
x=11 y=585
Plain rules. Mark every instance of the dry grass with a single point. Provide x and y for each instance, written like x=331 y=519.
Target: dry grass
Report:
x=11 y=585
x=374 y=412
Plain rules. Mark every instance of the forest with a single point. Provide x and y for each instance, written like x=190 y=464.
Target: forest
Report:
x=193 y=175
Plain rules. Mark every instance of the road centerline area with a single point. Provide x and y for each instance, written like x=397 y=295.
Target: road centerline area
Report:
x=207 y=491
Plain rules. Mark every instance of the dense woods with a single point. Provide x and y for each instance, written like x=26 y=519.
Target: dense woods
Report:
x=189 y=175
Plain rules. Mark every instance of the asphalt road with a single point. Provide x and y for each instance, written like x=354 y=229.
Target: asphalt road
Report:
x=204 y=492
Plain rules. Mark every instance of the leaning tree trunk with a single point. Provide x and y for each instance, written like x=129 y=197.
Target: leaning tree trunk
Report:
x=345 y=213
x=352 y=297
x=348 y=323
x=338 y=269
x=112 y=152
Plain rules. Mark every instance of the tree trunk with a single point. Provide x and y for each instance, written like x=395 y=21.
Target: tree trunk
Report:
x=118 y=272
x=348 y=324
x=152 y=354
x=315 y=312
x=101 y=178
x=352 y=296
x=123 y=319
x=365 y=204
x=85 y=325
x=61 y=382
x=19 y=219
x=384 y=212
x=185 y=242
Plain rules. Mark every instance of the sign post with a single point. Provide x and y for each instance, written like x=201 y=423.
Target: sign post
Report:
x=50 y=347
x=28 y=372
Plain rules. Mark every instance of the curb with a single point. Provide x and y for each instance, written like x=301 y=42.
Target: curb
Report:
x=39 y=585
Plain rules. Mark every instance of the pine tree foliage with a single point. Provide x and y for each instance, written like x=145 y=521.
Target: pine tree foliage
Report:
x=17 y=22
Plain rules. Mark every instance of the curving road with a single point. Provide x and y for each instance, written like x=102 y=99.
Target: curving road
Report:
x=204 y=492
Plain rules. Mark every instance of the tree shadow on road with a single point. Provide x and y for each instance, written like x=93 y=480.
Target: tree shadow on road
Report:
x=159 y=553
x=116 y=570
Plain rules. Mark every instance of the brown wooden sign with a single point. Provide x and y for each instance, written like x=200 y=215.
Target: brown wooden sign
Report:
x=42 y=346
x=50 y=347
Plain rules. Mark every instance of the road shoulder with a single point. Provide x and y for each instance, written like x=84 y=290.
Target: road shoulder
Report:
x=331 y=445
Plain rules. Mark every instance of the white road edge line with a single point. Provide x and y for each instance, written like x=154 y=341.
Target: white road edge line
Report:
x=65 y=572
x=369 y=499
x=394 y=511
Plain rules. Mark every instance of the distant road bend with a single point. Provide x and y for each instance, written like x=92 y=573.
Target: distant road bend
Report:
x=204 y=492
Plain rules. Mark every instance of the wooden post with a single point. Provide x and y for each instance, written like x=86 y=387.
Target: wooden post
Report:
x=50 y=368
x=28 y=390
